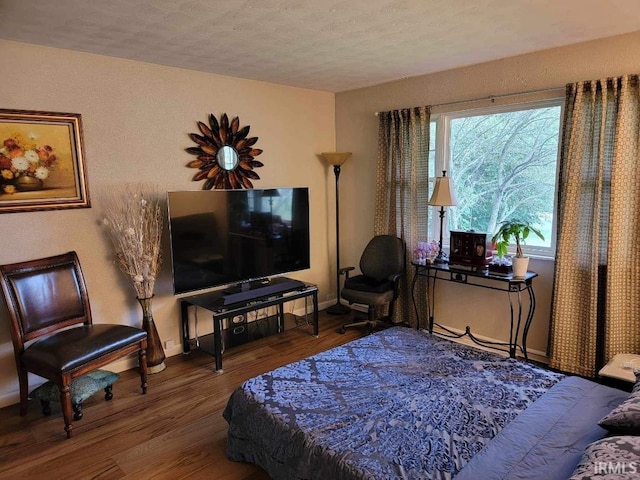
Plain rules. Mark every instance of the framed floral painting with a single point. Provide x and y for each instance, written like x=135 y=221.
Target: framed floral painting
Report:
x=41 y=161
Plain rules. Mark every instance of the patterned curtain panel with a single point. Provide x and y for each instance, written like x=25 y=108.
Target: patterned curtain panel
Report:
x=402 y=192
x=596 y=299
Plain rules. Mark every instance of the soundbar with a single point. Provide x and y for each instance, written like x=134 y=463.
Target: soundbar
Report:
x=261 y=288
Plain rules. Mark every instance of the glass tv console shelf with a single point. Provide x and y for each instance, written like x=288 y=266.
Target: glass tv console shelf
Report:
x=229 y=319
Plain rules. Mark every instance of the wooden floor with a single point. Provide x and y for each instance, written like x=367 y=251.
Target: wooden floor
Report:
x=175 y=431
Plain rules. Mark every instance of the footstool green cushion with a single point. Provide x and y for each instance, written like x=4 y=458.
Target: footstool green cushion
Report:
x=81 y=388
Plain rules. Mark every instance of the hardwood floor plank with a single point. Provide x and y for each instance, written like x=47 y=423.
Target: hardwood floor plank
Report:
x=175 y=431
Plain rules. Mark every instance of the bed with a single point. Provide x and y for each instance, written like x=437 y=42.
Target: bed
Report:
x=406 y=404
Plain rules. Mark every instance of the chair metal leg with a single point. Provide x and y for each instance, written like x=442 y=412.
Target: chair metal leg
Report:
x=353 y=324
x=371 y=322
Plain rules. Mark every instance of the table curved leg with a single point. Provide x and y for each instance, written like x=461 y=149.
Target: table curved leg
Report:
x=527 y=323
x=512 y=340
x=431 y=299
x=413 y=297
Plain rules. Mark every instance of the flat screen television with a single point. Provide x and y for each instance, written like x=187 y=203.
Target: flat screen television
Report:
x=222 y=237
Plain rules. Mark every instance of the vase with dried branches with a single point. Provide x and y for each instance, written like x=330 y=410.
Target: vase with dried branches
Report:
x=133 y=218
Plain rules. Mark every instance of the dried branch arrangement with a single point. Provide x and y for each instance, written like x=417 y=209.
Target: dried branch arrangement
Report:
x=133 y=217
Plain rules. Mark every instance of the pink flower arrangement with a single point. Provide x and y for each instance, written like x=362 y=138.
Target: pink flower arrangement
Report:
x=426 y=251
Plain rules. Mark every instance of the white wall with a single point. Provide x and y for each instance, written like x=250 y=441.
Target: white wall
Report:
x=136 y=118
x=357 y=129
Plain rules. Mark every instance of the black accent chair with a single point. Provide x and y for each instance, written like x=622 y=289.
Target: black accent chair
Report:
x=45 y=298
x=382 y=264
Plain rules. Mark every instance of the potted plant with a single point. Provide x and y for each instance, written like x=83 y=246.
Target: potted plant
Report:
x=518 y=230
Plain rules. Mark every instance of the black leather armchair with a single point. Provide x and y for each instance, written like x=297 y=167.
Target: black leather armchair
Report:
x=382 y=264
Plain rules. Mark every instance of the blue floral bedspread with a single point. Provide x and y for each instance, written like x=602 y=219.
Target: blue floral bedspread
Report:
x=397 y=404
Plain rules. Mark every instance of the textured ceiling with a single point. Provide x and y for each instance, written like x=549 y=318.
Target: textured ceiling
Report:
x=318 y=44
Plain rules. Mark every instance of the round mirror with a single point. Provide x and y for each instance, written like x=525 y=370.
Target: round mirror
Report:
x=227 y=157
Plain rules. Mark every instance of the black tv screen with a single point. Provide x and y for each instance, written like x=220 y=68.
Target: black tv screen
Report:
x=221 y=237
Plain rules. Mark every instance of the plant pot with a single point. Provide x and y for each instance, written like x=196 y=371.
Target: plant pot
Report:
x=520 y=266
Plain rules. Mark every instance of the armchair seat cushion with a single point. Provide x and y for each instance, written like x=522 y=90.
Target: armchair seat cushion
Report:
x=69 y=349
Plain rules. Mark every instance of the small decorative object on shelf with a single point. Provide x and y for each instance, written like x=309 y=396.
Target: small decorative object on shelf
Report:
x=133 y=218
x=501 y=266
x=426 y=252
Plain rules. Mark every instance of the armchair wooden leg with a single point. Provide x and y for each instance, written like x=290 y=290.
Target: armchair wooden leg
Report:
x=67 y=408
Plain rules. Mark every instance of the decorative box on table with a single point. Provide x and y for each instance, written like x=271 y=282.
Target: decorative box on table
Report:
x=470 y=248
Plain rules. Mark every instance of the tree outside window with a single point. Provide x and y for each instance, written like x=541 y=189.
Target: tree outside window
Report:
x=504 y=165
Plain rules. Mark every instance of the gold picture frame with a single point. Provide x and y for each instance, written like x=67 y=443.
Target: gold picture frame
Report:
x=41 y=161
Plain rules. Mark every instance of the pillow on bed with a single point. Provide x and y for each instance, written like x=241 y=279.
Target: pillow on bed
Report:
x=625 y=418
x=610 y=458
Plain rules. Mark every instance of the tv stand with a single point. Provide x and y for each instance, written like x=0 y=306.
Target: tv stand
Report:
x=234 y=303
x=248 y=291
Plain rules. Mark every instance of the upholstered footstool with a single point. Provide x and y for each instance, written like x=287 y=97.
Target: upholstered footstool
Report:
x=81 y=389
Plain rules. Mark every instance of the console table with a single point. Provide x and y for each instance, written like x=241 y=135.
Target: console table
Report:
x=213 y=302
x=484 y=279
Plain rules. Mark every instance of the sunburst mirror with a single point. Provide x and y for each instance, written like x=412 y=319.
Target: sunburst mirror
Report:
x=225 y=155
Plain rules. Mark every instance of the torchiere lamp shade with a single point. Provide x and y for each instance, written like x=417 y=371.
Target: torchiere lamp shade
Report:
x=336 y=158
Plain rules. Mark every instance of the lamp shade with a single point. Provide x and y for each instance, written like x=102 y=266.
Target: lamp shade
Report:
x=443 y=194
x=336 y=158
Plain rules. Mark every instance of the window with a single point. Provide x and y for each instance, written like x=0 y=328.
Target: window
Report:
x=503 y=162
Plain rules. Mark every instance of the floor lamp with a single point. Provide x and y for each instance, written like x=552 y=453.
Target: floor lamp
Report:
x=443 y=196
x=337 y=159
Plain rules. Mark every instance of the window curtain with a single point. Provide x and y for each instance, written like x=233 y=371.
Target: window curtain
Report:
x=402 y=193
x=596 y=294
